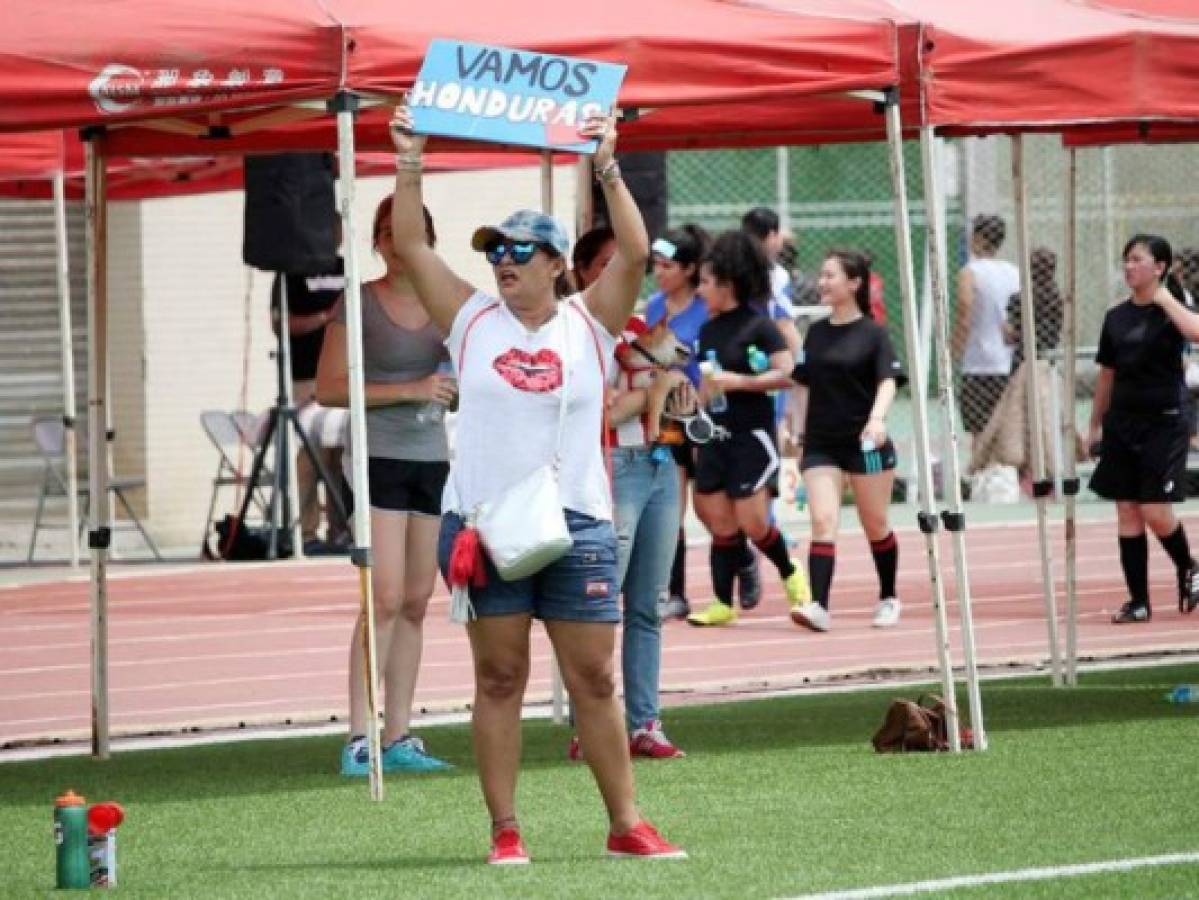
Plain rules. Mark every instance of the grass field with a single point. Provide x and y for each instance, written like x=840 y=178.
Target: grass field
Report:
x=776 y=798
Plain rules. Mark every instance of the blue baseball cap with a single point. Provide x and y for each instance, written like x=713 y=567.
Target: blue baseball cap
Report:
x=524 y=225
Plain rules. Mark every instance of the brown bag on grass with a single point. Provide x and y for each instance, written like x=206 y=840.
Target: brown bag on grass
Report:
x=916 y=726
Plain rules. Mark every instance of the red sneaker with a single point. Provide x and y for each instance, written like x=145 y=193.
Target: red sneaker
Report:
x=574 y=752
x=507 y=849
x=643 y=840
x=651 y=741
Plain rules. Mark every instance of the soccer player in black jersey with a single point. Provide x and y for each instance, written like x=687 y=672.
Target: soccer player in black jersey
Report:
x=848 y=375
x=733 y=470
x=1138 y=420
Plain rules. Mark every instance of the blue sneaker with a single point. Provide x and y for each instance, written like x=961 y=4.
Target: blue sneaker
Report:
x=408 y=754
x=355 y=758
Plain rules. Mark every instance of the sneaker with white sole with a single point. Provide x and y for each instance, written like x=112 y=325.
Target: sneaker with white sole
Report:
x=749 y=585
x=886 y=613
x=716 y=614
x=1130 y=612
x=811 y=615
x=796 y=587
x=651 y=741
x=507 y=849
x=642 y=841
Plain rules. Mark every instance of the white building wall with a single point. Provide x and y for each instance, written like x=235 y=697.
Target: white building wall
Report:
x=198 y=339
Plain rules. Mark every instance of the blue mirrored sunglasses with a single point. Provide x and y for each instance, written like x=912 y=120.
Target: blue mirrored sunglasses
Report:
x=520 y=251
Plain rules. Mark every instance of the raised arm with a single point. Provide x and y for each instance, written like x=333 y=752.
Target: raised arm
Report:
x=611 y=297
x=440 y=291
x=1184 y=320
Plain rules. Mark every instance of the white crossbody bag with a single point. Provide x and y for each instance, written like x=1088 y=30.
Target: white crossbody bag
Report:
x=524 y=529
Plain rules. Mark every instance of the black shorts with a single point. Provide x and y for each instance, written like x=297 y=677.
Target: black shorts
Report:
x=1143 y=458
x=405 y=485
x=740 y=465
x=684 y=457
x=979 y=395
x=846 y=456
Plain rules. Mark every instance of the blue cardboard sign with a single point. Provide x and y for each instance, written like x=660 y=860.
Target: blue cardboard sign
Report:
x=486 y=93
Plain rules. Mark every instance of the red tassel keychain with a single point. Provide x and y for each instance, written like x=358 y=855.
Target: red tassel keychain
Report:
x=465 y=570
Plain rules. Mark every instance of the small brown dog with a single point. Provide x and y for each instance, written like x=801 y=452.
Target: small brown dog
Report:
x=652 y=358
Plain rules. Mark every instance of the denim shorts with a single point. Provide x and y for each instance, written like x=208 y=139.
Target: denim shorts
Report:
x=578 y=587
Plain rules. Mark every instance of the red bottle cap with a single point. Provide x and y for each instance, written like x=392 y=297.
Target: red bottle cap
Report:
x=70 y=798
x=104 y=817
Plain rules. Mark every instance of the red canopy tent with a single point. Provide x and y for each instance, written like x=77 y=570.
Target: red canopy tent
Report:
x=175 y=79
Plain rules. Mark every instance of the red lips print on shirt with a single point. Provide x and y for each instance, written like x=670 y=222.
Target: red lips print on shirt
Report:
x=537 y=373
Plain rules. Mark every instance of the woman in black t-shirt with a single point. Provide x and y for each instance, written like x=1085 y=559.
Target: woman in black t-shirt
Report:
x=848 y=375
x=1138 y=419
x=742 y=358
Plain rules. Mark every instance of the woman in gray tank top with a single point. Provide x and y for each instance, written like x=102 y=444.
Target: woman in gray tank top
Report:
x=407 y=386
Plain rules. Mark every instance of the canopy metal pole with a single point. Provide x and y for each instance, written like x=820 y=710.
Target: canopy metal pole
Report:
x=954 y=517
x=1068 y=424
x=1041 y=485
x=287 y=514
x=584 y=207
x=927 y=517
x=66 y=345
x=99 y=533
x=346 y=106
x=557 y=690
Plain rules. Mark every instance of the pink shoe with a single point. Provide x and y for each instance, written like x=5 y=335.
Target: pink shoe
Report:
x=507 y=849
x=652 y=742
x=643 y=840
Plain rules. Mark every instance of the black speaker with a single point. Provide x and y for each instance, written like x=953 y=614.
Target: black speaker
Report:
x=290 y=221
x=645 y=175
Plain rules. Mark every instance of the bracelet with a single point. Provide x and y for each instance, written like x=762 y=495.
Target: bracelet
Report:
x=609 y=174
x=409 y=162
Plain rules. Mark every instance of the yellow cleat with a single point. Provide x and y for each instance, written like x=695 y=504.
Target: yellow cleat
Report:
x=796 y=586
x=717 y=613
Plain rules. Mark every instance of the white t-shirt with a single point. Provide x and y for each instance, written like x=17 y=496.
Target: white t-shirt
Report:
x=780 y=280
x=987 y=350
x=509 y=396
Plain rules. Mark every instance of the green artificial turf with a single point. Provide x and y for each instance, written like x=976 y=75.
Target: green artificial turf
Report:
x=776 y=798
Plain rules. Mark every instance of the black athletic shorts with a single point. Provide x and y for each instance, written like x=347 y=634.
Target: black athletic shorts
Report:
x=1143 y=458
x=740 y=465
x=405 y=485
x=980 y=394
x=846 y=456
x=684 y=457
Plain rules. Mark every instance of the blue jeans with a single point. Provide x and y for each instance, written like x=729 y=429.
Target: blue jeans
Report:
x=645 y=496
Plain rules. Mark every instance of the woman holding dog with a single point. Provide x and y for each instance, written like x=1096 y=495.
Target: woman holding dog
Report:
x=511 y=353
x=407 y=460
x=645 y=498
x=733 y=470
x=848 y=375
x=1138 y=421
x=676 y=256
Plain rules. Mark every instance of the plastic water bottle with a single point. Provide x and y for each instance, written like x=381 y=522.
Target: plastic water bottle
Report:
x=1184 y=693
x=801 y=497
x=718 y=403
x=433 y=413
x=758 y=360
x=71 y=869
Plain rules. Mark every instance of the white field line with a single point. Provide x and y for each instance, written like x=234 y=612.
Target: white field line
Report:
x=1044 y=873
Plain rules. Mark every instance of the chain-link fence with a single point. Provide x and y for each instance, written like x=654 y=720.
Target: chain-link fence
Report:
x=840 y=196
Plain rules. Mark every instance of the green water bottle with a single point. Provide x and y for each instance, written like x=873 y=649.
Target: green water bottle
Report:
x=72 y=869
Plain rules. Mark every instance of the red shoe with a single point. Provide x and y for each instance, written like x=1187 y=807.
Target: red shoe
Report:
x=651 y=741
x=643 y=840
x=507 y=849
x=574 y=752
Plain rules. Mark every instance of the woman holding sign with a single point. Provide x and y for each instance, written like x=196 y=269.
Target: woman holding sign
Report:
x=518 y=355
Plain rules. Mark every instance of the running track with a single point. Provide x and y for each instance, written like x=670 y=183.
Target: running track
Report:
x=218 y=645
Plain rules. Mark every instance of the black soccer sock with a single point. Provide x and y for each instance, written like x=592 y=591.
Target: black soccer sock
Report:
x=774 y=548
x=886 y=563
x=1175 y=543
x=1134 y=560
x=678 y=568
x=724 y=556
x=822 y=560
x=747 y=555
